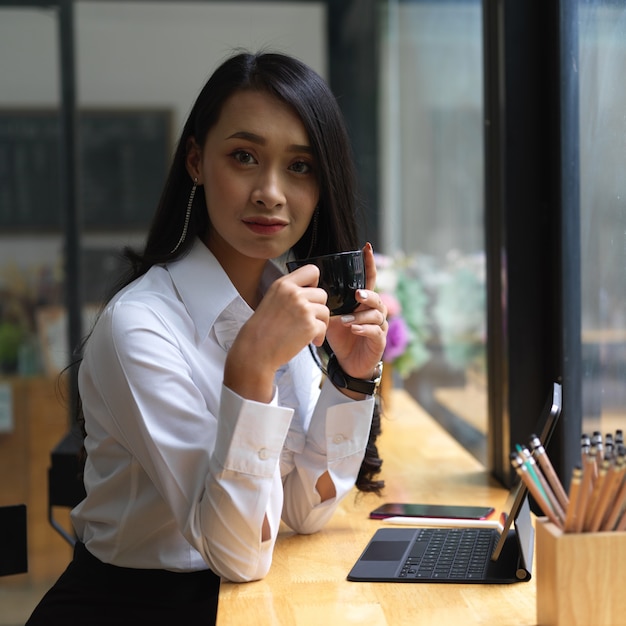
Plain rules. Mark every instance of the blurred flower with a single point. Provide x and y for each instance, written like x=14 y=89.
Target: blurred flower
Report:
x=397 y=338
x=406 y=302
x=391 y=302
x=433 y=304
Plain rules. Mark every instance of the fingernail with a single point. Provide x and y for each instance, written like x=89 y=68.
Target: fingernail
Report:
x=362 y=294
x=347 y=318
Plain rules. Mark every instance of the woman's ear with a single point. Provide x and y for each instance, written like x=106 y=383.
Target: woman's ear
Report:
x=193 y=160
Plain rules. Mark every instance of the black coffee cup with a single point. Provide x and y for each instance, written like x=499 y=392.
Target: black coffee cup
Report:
x=341 y=274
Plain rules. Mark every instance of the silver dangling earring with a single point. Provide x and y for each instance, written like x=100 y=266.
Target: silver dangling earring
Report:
x=314 y=230
x=187 y=216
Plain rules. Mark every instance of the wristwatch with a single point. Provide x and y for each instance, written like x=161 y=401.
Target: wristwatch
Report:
x=343 y=381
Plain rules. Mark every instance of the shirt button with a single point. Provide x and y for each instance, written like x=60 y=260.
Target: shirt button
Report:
x=338 y=439
x=263 y=454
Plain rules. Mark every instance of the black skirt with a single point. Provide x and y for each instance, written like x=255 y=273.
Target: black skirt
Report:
x=90 y=593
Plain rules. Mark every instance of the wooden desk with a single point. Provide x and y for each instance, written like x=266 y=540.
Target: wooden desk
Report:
x=307 y=583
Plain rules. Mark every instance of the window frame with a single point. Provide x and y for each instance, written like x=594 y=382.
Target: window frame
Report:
x=532 y=224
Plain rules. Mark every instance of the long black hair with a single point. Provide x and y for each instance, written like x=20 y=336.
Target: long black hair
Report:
x=335 y=227
x=288 y=79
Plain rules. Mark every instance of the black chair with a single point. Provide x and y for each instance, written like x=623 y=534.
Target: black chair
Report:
x=13 y=545
x=65 y=483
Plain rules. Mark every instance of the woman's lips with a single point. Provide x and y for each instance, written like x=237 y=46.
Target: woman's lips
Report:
x=264 y=227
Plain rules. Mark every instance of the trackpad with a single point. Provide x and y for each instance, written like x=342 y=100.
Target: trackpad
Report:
x=385 y=551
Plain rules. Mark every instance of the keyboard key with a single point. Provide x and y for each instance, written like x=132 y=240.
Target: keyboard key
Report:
x=449 y=554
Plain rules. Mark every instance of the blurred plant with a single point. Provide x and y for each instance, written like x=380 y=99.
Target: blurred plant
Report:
x=459 y=310
x=11 y=337
x=407 y=303
x=20 y=294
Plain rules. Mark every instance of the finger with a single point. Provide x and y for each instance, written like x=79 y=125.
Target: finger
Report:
x=370 y=266
x=374 y=334
x=323 y=320
x=312 y=294
x=375 y=317
x=305 y=276
x=372 y=300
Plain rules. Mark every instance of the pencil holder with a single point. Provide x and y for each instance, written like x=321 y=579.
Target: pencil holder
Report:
x=580 y=577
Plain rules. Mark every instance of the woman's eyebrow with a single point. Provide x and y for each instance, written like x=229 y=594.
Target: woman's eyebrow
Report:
x=254 y=138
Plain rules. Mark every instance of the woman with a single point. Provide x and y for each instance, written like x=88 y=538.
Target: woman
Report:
x=205 y=422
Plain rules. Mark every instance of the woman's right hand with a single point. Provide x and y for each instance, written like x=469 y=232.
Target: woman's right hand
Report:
x=291 y=315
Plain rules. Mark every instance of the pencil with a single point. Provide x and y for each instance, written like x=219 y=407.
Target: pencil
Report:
x=585 y=445
x=619 y=500
x=531 y=467
x=592 y=467
x=585 y=491
x=595 y=494
x=596 y=439
x=574 y=492
x=605 y=497
x=547 y=490
x=548 y=469
x=522 y=470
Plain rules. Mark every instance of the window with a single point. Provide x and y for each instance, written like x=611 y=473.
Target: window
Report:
x=431 y=145
x=602 y=57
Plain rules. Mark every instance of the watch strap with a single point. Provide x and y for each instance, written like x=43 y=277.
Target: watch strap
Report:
x=344 y=381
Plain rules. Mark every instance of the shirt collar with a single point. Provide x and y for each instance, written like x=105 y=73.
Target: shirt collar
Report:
x=206 y=290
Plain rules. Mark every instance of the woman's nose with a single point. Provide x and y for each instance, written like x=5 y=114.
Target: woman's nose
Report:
x=268 y=190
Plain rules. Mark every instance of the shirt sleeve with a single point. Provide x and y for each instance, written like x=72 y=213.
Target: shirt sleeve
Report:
x=243 y=487
x=336 y=440
x=218 y=474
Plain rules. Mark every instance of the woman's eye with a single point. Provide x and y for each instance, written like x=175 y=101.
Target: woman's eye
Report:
x=301 y=167
x=243 y=157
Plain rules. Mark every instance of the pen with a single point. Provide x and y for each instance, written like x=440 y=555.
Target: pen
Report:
x=546 y=465
x=522 y=470
x=574 y=493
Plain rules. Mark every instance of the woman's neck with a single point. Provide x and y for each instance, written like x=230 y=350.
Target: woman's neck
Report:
x=246 y=278
x=244 y=272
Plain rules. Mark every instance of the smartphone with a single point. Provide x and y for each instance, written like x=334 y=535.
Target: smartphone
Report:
x=394 y=509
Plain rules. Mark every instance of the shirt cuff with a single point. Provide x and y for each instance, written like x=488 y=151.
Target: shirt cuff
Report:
x=340 y=426
x=250 y=434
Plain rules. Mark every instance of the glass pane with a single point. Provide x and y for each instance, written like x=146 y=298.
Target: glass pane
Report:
x=29 y=263
x=602 y=58
x=432 y=155
x=33 y=417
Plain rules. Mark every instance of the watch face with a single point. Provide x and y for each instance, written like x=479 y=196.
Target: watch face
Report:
x=379 y=372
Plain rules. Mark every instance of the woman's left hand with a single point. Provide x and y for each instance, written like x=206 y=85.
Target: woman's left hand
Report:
x=358 y=339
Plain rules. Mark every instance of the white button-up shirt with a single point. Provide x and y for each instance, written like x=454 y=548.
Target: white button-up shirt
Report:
x=181 y=471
